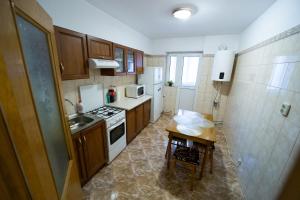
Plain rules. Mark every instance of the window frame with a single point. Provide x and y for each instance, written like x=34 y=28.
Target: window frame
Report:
x=179 y=68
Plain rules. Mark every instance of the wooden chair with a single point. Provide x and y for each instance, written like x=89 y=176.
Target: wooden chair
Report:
x=189 y=157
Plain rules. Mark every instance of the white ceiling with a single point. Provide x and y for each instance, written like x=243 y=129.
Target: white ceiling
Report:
x=154 y=18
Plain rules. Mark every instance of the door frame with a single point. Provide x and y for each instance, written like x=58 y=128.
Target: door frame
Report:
x=179 y=69
x=18 y=106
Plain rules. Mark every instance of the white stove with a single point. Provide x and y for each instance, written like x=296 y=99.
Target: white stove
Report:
x=115 y=128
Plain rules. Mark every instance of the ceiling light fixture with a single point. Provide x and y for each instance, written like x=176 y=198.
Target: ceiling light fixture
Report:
x=182 y=13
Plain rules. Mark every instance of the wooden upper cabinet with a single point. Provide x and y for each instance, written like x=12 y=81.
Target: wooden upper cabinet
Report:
x=139 y=61
x=130 y=61
x=94 y=145
x=72 y=54
x=98 y=48
x=119 y=55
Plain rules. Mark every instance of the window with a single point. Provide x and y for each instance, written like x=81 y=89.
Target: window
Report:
x=173 y=64
x=189 y=71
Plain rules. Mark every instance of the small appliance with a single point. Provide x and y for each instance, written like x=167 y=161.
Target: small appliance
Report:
x=135 y=91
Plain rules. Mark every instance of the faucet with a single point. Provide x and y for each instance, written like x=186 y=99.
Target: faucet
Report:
x=69 y=101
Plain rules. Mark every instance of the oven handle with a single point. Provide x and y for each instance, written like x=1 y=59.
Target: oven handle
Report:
x=117 y=124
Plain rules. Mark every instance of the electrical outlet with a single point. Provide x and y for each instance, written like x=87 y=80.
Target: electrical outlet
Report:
x=285 y=109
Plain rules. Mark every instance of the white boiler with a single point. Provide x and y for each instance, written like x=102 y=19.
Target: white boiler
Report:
x=223 y=64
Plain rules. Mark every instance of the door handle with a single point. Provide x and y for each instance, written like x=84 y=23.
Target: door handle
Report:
x=84 y=139
x=79 y=140
x=62 y=68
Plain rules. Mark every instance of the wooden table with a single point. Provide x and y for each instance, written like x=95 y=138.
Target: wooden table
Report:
x=188 y=125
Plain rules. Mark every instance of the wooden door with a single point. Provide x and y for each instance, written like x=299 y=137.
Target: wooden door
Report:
x=98 y=48
x=12 y=181
x=130 y=125
x=79 y=157
x=147 y=110
x=31 y=101
x=72 y=54
x=139 y=112
x=94 y=148
x=139 y=62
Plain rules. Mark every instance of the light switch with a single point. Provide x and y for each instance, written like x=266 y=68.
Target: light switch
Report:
x=285 y=109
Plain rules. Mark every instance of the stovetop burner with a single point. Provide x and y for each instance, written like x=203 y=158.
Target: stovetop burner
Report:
x=105 y=111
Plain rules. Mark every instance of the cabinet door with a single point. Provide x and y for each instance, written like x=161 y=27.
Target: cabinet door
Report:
x=147 y=110
x=94 y=148
x=139 y=112
x=130 y=61
x=98 y=48
x=130 y=125
x=72 y=54
x=139 y=57
x=120 y=57
x=79 y=157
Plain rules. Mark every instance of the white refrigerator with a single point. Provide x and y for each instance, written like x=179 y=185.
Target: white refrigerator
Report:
x=153 y=80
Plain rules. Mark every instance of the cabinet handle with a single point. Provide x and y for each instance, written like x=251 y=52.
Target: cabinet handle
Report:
x=84 y=139
x=79 y=140
x=62 y=68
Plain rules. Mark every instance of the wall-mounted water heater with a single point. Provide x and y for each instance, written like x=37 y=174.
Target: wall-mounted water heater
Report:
x=223 y=64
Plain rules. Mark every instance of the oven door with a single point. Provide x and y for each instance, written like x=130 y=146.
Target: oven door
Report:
x=116 y=132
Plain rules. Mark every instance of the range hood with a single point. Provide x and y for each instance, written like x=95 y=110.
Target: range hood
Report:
x=101 y=63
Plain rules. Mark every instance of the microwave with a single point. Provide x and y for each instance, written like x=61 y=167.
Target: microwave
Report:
x=135 y=91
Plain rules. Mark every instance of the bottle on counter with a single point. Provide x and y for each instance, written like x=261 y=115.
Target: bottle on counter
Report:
x=79 y=107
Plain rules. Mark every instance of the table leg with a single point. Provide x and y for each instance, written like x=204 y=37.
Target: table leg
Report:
x=211 y=159
x=169 y=151
x=193 y=177
x=203 y=162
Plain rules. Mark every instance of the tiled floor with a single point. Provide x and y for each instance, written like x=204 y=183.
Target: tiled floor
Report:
x=139 y=172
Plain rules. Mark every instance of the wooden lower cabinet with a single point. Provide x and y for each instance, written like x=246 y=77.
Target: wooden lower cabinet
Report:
x=79 y=157
x=90 y=150
x=147 y=111
x=137 y=119
x=130 y=125
x=139 y=112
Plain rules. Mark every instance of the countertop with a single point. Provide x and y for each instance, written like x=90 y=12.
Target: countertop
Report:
x=129 y=103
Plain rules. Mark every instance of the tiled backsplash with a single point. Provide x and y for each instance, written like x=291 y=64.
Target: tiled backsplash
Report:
x=71 y=87
x=265 y=141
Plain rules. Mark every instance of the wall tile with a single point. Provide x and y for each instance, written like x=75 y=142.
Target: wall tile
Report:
x=70 y=88
x=266 y=141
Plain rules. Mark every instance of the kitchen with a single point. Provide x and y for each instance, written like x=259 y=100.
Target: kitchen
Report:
x=155 y=106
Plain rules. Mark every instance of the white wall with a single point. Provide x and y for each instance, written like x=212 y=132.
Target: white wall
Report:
x=81 y=16
x=207 y=44
x=281 y=16
x=161 y=46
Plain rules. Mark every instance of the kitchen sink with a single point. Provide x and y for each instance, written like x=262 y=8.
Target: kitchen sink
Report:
x=78 y=121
